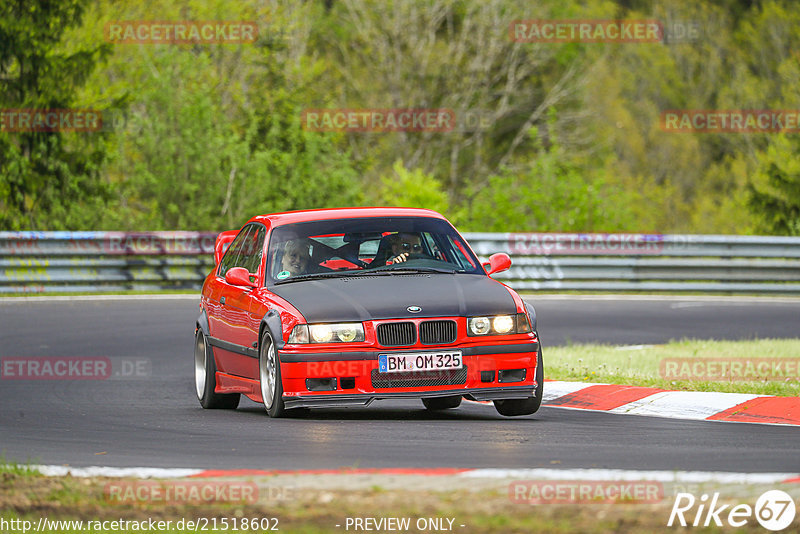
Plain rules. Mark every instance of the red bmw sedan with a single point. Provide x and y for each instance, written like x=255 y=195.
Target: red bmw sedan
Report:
x=341 y=307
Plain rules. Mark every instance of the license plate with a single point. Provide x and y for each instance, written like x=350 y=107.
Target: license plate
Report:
x=419 y=361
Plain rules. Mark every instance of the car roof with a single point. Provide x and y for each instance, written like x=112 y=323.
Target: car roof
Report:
x=291 y=217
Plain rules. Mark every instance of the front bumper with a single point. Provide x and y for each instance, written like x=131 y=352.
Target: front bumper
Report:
x=490 y=372
x=481 y=394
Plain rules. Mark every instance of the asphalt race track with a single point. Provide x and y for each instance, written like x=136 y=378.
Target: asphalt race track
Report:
x=153 y=418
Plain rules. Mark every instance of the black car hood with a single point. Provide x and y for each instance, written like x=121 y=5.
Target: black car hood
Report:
x=363 y=298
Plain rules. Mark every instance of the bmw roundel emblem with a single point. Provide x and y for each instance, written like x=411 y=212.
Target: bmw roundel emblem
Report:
x=414 y=309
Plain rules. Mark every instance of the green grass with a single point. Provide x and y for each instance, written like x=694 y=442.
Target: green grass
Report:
x=10 y=467
x=482 y=511
x=640 y=365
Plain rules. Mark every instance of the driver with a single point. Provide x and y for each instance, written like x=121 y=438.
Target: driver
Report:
x=404 y=245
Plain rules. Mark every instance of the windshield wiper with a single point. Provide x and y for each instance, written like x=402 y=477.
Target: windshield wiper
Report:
x=403 y=270
x=315 y=276
x=383 y=271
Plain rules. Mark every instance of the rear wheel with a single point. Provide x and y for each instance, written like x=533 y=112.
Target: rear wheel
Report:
x=205 y=378
x=514 y=407
x=442 y=403
x=269 y=375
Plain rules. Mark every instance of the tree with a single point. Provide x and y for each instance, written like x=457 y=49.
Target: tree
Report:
x=457 y=56
x=47 y=179
x=413 y=188
x=775 y=190
x=213 y=135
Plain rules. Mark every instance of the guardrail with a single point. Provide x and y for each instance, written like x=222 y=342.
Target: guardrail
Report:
x=647 y=262
x=35 y=262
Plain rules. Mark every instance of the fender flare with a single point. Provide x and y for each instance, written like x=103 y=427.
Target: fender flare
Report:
x=202 y=323
x=272 y=323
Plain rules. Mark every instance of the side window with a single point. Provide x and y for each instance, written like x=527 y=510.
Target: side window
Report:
x=231 y=257
x=253 y=250
x=430 y=240
x=461 y=253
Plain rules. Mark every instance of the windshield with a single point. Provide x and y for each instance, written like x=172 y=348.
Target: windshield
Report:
x=377 y=246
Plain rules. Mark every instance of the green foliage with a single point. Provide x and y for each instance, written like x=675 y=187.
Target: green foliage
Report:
x=15 y=468
x=195 y=154
x=775 y=190
x=567 y=136
x=48 y=180
x=552 y=193
x=413 y=188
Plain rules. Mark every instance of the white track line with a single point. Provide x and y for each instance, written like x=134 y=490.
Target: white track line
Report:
x=626 y=474
x=557 y=389
x=684 y=404
x=97 y=471
x=535 y=474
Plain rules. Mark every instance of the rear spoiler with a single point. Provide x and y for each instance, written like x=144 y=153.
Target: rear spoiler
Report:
x=222 y=243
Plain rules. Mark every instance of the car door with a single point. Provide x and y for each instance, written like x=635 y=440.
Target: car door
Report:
x=246 y=301
x=233 y=328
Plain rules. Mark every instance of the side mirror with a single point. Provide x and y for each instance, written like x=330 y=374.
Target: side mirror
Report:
x=221 y=244
x=498 y=263
x=238 y=276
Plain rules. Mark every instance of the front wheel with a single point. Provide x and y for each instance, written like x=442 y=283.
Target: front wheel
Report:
x=269 y=375
x=442 y=403
x=205 y=378
x=514 y=407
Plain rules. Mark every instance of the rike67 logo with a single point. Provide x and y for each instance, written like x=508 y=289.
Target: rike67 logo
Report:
x=774 y=510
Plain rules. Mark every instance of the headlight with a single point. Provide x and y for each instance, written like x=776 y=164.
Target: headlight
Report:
x=498 y=325
x=503 y=324
x=479 y=326
x=320 y=333
x=327 y=333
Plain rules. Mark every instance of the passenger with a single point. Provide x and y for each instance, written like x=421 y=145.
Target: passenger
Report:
x=295 y=259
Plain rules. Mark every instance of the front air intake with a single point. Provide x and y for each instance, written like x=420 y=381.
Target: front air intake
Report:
x=444 y=377
x=397 y=334
x=437 y=332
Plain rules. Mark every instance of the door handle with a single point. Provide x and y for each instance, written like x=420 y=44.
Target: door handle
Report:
x=222 y=300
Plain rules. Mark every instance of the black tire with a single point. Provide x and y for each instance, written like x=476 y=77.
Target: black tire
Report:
x=515 y=407
x=269 y=377
x=205 y=378
x=442 y=403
